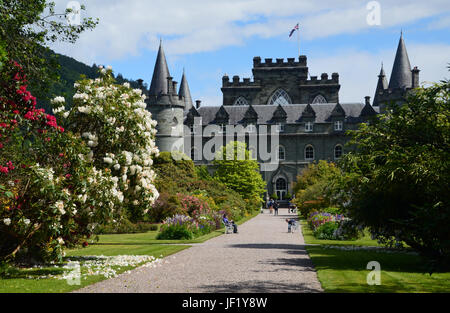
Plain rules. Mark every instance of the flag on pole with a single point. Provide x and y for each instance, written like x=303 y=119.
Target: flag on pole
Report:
x=293 y=30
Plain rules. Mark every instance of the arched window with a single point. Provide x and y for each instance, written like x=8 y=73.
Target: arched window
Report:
x=309 y=152
x=241 y=101
x=338 y=151
x=280 y=97
x=281 y=153
x=319 y=99
x=281 y=188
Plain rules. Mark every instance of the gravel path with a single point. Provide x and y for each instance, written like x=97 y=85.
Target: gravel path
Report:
x=262 y=257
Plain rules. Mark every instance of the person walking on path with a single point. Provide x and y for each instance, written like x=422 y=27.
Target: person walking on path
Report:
x=270 y=205
x=275 y=207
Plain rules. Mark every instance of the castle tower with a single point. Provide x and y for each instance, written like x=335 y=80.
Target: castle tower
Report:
x=185 y=93
x=402 y=82
x=166 y=106
x=382 y=85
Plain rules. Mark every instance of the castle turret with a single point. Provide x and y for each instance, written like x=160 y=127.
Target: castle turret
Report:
x=166 y=106
x=185 y=93
x=402 y=82
x=160 y=74
x=401 y=76
x=382 y=85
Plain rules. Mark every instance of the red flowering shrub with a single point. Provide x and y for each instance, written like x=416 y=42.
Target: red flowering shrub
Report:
x=50 y=196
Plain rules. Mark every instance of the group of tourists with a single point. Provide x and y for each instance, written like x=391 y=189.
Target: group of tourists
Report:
x=273 y=206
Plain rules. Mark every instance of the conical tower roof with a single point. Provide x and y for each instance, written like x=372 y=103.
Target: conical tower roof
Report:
x=185 y=92
x=401 y=75
x=160 y=74
x=381 y=85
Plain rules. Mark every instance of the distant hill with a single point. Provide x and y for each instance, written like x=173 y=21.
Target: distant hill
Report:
x=71 y=71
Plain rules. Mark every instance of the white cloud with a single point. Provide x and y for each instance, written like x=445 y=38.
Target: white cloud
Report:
x=128 y=27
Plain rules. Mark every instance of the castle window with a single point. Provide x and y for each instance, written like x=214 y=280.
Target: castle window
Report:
x=319 y=99
x=241 y=101
x=281 y=153
x=338 y=125
x=280 y=128
x=309 y=152
x=222 y=128
x=338 y=152
x=251 y=128
x=309 y=126
x=280 y=97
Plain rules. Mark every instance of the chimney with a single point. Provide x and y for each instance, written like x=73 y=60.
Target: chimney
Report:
x=367 y=100
x=169 y=85
x=175 y=85
x=197 y=104
x=415 y=77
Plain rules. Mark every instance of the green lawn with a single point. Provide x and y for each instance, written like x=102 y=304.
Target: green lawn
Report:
x=39 y=280
x=345 y=271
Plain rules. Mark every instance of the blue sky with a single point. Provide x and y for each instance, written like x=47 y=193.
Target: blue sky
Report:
x=210 y=38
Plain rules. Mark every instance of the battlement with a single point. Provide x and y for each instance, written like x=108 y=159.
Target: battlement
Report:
x=236 y=82
x=324 y=80
x=269 y=63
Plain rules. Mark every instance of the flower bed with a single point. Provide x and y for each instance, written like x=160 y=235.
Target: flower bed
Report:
x=332 y=226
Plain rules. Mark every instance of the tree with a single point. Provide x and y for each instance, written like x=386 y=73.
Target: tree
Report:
x=398 y=179
x=314 y=187
x=238 y=171
x=26 y=29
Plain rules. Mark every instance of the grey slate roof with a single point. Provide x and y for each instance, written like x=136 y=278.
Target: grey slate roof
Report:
x=265 y=113
x=160 y=74
x=401 y=76
x=185 y=92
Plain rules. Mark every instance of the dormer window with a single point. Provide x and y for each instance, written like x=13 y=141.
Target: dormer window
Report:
x=309 y=126
x=280 y=128
x=338 y=125
x=251 y=128
x=222 y=128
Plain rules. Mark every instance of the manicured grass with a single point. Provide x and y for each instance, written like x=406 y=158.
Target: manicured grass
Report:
x=346 y=271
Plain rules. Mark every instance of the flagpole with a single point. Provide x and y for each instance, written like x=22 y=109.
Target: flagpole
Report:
x=298 y=39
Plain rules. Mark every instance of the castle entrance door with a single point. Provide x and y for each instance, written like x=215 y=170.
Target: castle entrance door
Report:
x=281 y=188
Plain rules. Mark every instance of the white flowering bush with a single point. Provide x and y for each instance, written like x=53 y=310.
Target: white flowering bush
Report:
x=51 y=197
x=114 y=123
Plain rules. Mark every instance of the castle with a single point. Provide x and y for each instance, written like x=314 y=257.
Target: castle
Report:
x=310 y=121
